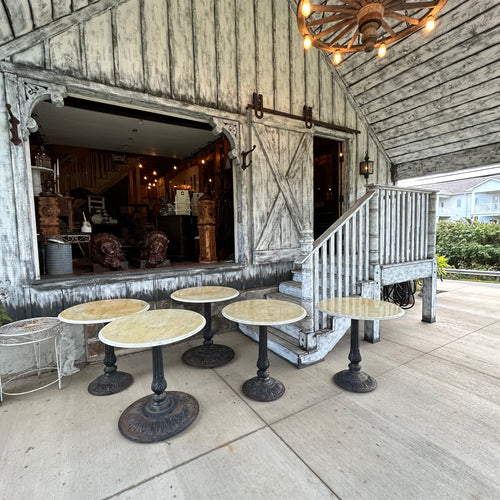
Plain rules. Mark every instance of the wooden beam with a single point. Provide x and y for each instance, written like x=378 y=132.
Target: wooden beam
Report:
x=468 y=158
x=434 y=72
x=485 y=82
x=457 y=140
x=54 y=28
x=456 y=127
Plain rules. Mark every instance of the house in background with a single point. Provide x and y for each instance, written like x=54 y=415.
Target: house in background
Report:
x=475 y=197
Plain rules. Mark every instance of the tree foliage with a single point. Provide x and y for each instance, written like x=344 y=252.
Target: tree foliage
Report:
x=469 y=244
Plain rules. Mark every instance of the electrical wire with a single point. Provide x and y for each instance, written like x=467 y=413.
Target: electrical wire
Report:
x=402 y=294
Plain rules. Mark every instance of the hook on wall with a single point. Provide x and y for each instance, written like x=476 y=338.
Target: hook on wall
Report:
x=244 y=154
x=14 y=130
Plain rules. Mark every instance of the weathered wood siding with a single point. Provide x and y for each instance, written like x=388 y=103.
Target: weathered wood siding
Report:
x=205 y=55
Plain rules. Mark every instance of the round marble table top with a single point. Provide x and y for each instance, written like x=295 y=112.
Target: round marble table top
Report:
x=102 y=311
x=360 y=308
x=152 y=328
x=264 y=312
x=201 y=294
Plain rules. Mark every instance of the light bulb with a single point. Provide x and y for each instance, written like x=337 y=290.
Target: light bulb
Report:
x=382 y=50
x=140 y=165
x=145 y=178
x=307 y=42
x=306 y=8
x=430 y=24
x=154 y=172
x=337 y=58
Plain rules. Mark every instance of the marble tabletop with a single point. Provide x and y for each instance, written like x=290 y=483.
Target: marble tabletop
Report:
x=152 y=328
x=201 y=294
x=360 y=308
x=102 y=311
x=264 y=312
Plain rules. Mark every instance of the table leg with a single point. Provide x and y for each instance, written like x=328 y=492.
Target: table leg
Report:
x=354 y=379
x=263 y=387
x=112 y=381
x=208 y=355
x=161 y=415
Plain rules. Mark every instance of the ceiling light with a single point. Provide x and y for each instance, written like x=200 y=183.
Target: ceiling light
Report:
x=382 y=50
x=430 y=24
x=347 y=26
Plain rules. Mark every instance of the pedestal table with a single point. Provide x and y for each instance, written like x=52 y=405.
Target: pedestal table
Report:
x=356 y=308
x=263 y=313
x=208 y=355
x=165 y=413
x=104 y=311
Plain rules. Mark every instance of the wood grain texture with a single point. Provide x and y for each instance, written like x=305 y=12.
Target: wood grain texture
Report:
x=65 y=51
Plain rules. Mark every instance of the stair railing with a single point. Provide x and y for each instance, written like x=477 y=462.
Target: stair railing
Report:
x=388 y=225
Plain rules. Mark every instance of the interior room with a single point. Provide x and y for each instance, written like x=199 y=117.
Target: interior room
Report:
x=99 y=168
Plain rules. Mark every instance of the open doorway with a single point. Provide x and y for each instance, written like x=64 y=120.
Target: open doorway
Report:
x=328 y=159
x=129 y=172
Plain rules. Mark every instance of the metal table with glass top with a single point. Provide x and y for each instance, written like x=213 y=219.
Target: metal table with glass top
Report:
x=208 y=355
x=104 y=311
x=356 y=308
x=165 y=413
x=263 y=313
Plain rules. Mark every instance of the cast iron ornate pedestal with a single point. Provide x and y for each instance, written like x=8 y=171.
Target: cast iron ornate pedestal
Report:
x=111 y=381
x=161 y=415
x=208 y=355
x=263 y=387
x=354 y=379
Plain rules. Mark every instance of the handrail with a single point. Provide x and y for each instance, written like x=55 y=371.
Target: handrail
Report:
x=387 y=225
x=339 y=222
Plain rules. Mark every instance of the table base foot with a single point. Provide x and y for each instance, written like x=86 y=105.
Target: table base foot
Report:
x=105 y=384
x=268 y=389
x=355 y=381
x=147 y=421
x=208 y=356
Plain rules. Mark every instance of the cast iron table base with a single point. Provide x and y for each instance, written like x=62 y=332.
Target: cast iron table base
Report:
x=112 y=381
x=263 y=387
x=354 y=379
x=208 y=355
x=161 y=415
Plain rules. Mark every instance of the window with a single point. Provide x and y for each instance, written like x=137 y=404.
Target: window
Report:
x=459 y=203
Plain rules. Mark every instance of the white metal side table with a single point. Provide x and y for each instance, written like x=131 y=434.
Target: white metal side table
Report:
x=33 y=332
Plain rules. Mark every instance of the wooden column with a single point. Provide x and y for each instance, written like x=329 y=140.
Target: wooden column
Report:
x=206 y=228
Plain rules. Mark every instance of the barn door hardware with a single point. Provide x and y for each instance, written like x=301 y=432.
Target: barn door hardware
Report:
x=244 y=154
x=258 y=106
x=15 y=122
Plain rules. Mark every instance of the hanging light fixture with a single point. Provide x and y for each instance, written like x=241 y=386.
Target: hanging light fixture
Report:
x=366 y=166
x=345 y=26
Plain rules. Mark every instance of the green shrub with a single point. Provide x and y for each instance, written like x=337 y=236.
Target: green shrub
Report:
x=469 y=244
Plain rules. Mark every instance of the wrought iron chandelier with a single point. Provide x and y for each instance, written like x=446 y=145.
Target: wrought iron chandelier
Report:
x=344 y=26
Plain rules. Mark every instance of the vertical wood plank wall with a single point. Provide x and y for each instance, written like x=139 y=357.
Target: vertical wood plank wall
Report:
x=210 y=53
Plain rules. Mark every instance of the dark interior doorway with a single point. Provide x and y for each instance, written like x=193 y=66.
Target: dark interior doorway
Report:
x=328 y=158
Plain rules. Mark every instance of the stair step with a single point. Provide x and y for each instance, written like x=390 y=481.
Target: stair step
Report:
x=281 y=345
x=293 y=288
x=284 y=296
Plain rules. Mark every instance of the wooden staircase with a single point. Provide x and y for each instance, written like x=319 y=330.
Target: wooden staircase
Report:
x=387 y=237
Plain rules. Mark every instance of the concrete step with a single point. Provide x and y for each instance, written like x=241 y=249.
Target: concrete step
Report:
x=293 y=288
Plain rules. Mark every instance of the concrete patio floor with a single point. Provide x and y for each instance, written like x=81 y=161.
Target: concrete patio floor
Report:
x=431 y=429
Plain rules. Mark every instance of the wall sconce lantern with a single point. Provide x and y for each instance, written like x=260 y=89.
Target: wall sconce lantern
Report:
x=366 y=166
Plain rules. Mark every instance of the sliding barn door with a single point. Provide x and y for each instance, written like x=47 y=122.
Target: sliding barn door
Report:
x=282 y=180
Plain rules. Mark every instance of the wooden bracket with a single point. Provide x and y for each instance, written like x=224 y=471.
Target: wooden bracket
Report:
x=15 y=122
x=244 y=154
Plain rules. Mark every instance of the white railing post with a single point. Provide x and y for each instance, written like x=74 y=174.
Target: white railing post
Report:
x=374 y=217
x=306 y=247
